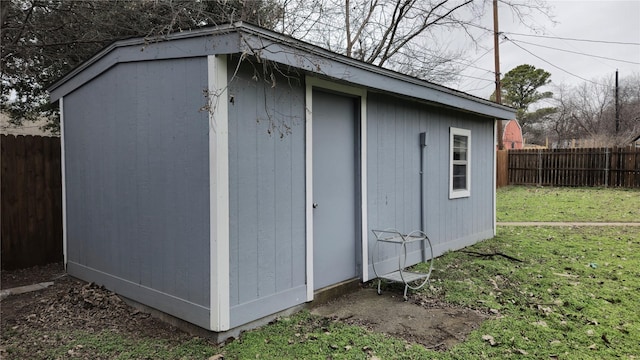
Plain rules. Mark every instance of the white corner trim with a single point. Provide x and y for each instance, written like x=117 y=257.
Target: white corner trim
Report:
x=308 y=160
x=63 y=173
x=218 y=192
x=363 y=186
x=312 y=82
x=495 y=172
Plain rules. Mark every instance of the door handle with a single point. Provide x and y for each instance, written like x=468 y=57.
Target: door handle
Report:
x=315 y=205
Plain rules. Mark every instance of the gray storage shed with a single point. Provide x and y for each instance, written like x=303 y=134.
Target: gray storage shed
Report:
x=223 y=175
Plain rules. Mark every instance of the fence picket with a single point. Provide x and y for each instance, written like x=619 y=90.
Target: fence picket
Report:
x=617 y=167
x=31 y=201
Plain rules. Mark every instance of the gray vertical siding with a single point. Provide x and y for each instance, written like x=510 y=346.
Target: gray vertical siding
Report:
x=137 y=169
x=266 y=195
x=137 y=183
x=393 y=165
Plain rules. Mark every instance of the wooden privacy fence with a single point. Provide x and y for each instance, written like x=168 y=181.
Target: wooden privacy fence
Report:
x=617 y=167
x=31 y=201
x=502 y=168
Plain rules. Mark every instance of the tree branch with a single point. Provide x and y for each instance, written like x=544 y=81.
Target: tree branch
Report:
x=24 y=23
x=404 y=10
x=365 y=21
x=347 y=16
x=426 y=25
x=479 y=254
x=394 y=24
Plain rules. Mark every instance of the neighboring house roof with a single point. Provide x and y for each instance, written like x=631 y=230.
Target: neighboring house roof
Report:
x=512 y=134
x=246 y=39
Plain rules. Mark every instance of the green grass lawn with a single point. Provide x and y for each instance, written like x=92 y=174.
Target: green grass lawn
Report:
x=520 y=203
x=575 y=295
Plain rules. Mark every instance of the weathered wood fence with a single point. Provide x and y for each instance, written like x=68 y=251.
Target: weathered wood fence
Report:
x=615 y=167
x=502 y=168
x=31 y=201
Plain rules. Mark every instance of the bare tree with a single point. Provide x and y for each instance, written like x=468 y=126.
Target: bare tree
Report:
x=43 y=39
x=403 y=35
x=629 y=99
x=586 y=113
x=561 y=129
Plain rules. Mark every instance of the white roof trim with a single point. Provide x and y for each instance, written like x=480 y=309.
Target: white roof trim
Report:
x=245 y=38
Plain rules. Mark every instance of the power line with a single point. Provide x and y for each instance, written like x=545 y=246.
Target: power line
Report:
x=555 y=66
x=564 y=38
x=463 y=62
x=480 y=57
x=557 y=37
x=479 y=27
x=477 y=89
x=570 y=44
x=470 y=64
x=574 y=39
x=576 y=52
x=474 y=77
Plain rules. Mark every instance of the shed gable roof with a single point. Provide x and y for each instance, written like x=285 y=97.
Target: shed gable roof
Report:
x=242 y=38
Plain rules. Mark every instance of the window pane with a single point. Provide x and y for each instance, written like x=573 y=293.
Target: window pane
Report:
x=459 y=170
x=460 y=147
x=459 y=183
x=459 y=177
x=460 y=141
x=459 y=154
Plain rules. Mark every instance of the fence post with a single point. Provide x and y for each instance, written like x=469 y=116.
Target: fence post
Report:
x=539 y=167
x=606 y=167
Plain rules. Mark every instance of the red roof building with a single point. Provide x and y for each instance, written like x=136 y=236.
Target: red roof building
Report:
x=512 y=135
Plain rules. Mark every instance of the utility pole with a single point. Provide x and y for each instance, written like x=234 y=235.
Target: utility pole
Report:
x=496 y=50
x=617 y=108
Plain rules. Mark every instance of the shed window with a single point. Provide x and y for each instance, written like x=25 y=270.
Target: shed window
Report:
x=459 y=163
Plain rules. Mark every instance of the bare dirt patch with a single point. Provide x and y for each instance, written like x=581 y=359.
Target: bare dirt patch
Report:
x=424 y=321
x=30 y=276
x=33 y=323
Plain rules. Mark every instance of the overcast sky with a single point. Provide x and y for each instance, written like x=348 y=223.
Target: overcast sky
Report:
x=602 y=20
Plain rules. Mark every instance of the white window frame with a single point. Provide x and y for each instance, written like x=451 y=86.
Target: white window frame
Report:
x=459 y=193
